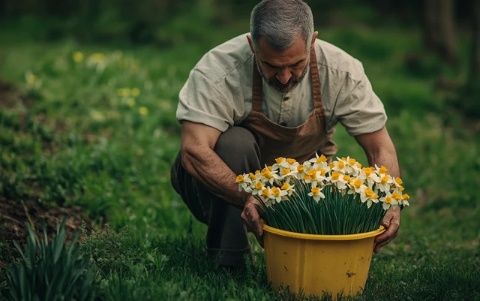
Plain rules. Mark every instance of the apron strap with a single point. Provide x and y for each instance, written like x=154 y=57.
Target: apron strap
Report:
x=257 y=89
x=315 y=82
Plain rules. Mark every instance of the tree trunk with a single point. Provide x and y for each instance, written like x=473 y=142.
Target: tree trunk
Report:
x=447 y=31
x=475 y=65
x=439 y=29
x=430 y=25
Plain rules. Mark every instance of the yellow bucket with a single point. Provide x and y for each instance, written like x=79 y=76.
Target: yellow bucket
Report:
x=318 y=264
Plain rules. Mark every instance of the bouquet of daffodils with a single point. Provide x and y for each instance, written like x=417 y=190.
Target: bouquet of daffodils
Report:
x=321 y=197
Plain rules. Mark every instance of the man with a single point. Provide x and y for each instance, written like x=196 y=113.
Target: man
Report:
x=277 y=91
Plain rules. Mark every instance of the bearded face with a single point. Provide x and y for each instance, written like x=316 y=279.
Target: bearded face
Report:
x=275 y=83
x=285 y=69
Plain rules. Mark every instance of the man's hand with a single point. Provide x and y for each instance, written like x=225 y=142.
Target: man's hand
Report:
x=391 y=222
x=252 y=219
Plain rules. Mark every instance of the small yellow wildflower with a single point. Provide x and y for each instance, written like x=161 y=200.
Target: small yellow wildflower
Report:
x=135 y=92
x=123 y=92
x=32 y=81
x=143 y=111
x=97 y=116
x=97 y=60
x=130 y=101
x=78 y=57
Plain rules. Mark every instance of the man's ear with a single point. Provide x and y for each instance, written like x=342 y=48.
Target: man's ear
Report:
x=250 y=42
x=314 y=37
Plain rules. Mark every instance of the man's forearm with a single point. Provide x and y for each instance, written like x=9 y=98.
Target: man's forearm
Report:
x=387 y=158
x=207 y=167
x=380 y=150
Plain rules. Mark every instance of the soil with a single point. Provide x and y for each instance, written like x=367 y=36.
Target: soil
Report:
x=16 y=214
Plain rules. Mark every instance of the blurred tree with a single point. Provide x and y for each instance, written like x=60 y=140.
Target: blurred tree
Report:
x=467 y=95
x=475 y=65
x=439 y=28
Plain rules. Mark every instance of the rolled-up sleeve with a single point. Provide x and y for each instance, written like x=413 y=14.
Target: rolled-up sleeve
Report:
x=358 y=108
x=201 y=101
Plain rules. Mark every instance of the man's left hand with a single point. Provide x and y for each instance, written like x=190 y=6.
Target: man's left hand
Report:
x=391 y=222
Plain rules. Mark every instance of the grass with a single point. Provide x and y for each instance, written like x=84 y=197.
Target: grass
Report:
x=71 y=138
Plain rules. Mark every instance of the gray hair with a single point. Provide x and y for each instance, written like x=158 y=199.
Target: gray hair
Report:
x=280 y=22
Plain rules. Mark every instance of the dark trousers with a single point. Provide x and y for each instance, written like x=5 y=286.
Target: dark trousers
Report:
x=226 y=236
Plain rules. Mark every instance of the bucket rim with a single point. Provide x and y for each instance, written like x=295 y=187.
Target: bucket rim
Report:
x=305 y=236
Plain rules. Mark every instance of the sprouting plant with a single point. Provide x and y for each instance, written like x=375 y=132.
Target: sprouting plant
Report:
x=50 y=269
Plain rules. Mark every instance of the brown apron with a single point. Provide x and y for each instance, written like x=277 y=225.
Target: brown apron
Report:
x=301 y=142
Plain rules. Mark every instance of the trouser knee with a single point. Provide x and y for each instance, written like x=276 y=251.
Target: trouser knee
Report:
x=238 y=148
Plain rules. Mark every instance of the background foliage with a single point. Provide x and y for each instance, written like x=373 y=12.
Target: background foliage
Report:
x=88 y=91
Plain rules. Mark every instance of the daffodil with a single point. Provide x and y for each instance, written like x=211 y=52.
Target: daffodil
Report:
x=319 y=161
x=288 y=188
x=356 y=185
x=286 y=166
x=369 y=175
x=369 y=196
x=316 y=193
x=405 y=198
x=381 y=170
x=277 y=194
x=384 y=182
x=388 y=201
x=342 y=179
x=243 y=182
x=338 y=179
x=257 y=187
x=398 y=183
x=269 y=174
x=339 y=165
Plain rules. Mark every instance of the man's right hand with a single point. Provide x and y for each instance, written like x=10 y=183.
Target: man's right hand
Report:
x=252 y=219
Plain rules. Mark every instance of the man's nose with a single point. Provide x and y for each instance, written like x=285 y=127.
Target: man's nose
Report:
x=284 y=76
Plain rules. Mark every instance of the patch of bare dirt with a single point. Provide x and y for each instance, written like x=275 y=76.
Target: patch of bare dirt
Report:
x=15 y=215
x=10 y=96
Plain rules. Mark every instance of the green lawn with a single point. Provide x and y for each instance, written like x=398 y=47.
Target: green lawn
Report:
x=95 y=126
